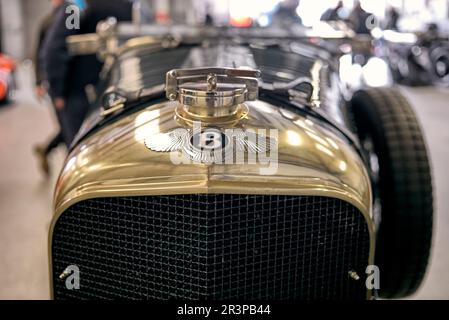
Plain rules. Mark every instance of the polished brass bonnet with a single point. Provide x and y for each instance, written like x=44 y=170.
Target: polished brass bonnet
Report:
x=212 y=94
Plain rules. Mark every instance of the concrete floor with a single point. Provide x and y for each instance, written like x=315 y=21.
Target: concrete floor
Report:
x=26 y=198
x=432 y=108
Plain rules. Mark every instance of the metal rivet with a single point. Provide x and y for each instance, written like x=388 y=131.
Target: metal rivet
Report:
x=353 y=275
x=65 y=274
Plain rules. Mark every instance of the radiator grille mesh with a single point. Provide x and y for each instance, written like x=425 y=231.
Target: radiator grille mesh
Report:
x=212 y=246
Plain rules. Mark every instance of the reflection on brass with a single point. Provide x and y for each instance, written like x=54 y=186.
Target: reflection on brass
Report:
x=183 y=115
x=311 y=159
x=211 y=82
x=115 y=162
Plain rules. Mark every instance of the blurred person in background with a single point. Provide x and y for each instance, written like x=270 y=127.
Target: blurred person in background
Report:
x=285 y=15
x=391 y=19
x=68 y=75
x=208 y=19
x=360 y=20
x=144 y=10
x=332 y=14
x=42 y=151
x=432 y=34
x=41 y=86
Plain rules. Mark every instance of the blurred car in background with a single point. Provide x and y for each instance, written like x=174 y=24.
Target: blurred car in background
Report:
x=418 y=59
x=7 y=67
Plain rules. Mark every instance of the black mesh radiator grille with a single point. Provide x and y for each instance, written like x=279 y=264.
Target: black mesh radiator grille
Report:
x=212 y=247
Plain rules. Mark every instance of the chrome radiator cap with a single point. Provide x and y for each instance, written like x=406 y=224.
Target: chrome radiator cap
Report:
x=211 y=93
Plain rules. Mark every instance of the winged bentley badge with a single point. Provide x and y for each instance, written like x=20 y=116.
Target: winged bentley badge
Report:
x=215 y=97
x=214 y=145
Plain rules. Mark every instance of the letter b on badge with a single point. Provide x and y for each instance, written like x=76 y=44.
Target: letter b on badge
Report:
x=210 y=140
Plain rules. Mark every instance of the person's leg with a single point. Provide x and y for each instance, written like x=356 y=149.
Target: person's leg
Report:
x=54 y=143
x=64 y=123
x=41 y=154
x=42 y=151
x=74 y=114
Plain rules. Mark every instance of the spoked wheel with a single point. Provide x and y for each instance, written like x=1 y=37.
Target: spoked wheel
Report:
x=397 y=156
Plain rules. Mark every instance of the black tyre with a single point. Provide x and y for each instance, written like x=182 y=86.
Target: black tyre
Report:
x=402 y=183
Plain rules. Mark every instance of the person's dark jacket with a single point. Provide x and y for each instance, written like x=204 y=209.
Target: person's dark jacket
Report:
x=285 y=17
x=392 y=19
x=68 y=75
x=43 y=31
x=359 y=19
x=330 y=14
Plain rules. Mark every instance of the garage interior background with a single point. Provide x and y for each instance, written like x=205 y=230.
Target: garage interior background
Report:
x=26 y=196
